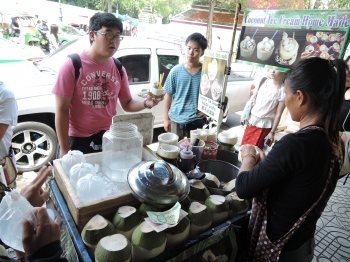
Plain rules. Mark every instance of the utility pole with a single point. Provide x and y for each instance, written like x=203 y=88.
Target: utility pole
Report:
x=117 y=11
x=60 y=7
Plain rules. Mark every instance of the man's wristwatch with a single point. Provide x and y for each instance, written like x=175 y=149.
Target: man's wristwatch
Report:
x=146 y=106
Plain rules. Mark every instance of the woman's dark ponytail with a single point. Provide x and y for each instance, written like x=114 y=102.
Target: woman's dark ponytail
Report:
x=338 y=68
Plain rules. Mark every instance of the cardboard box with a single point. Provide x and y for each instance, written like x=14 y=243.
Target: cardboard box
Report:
x=82 y=212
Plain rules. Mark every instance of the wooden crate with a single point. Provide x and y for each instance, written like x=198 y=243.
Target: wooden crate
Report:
x=82 y=212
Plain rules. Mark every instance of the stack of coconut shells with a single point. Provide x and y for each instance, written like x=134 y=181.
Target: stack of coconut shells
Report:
x=129 y=238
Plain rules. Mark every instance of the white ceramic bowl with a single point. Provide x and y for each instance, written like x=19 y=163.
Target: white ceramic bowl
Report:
x=228 y=138
x=157 y=93
x=168 y=151
x=168 y=138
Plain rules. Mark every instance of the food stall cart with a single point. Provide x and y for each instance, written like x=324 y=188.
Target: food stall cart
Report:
x=225 y=235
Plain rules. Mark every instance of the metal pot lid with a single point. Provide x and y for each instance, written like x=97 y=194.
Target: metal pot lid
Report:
x=158 y=183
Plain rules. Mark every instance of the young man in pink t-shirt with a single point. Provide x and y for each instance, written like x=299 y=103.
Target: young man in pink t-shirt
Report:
x=85 y=106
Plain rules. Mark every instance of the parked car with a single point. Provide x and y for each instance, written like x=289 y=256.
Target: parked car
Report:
x=13 y=52
x=34 y=138
x=67 y=33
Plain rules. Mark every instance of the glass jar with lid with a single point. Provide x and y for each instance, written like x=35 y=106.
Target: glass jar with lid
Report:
x=121 y=149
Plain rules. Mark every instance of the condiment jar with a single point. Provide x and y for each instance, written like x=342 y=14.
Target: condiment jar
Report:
x=185 y=144
x=186 y=160
x=121 y=149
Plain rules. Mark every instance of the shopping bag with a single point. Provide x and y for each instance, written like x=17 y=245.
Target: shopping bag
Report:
x=247 y=111
x=250 y=104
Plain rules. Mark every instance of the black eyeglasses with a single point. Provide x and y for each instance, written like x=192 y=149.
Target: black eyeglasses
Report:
x=110 y=36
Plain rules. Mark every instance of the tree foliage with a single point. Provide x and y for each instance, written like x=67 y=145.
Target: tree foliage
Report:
x=316 y=4
x=165 y=8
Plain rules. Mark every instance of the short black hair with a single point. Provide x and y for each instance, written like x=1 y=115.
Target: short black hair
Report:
x=109 y=20
x=199 y=38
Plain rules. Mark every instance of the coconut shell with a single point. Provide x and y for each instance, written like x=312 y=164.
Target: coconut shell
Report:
x=185 y=204
x=178 y=234
x=113 y=248
x=201 y=218
x=179 y=228
x=97 y=228
x=126 y=223
x=198 y=192
x=147 y=240
x=211 y=181
x=144 y=207
x=218 y=207
x=236 y=205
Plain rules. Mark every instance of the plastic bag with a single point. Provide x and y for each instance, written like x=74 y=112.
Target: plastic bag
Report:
x=80 y=170
x=13 y=208
x=71 y=158
x=91 y=187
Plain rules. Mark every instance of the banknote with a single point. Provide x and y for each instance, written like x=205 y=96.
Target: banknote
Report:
x=170 y=216
x=161 y=227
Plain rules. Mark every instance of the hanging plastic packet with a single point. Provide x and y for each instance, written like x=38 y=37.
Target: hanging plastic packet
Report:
x=13 y=208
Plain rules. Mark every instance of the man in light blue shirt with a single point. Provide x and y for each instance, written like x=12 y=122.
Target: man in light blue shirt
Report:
x=182 y=89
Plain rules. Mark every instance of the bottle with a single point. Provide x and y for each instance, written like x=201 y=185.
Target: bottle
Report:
x=185 y=143
x=121 y=149
x=186 y=160
x=266 y=144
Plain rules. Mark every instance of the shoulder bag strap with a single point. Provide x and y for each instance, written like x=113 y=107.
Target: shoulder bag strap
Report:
x=261 y=82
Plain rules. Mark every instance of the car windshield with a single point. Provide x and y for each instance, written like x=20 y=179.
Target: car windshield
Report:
x=26 y=21
x=69 y=30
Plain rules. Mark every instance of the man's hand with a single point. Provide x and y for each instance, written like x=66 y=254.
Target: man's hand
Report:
x=34 y=193
x=167 y=125
x=201 y=114
x=47 y=231
x=152 y=101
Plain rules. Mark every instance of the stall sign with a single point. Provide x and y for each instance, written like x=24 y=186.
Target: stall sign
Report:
x=212 y=83
x=276 y=39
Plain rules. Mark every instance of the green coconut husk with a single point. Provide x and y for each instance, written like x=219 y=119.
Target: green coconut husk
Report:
x=126 y=219
x=178 y=234
x=144 y=207
x=113 y=248
x=218 y=207
x=185 y=204
x=236 y=205
x=200 y=218
x=211 y=181
x=146 y=242
x=198 y=192
x=97 y=228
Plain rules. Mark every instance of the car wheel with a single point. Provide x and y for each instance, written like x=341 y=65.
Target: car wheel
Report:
x=34 y=145
x=63 y=42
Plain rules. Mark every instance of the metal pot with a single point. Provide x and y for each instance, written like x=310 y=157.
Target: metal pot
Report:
x=158 y=183
x=224 y=171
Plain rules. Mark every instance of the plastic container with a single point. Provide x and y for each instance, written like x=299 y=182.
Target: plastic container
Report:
x=197 y=150
x=184 y=143
x=199 y=133
x=121 y=149
x=210 y=150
